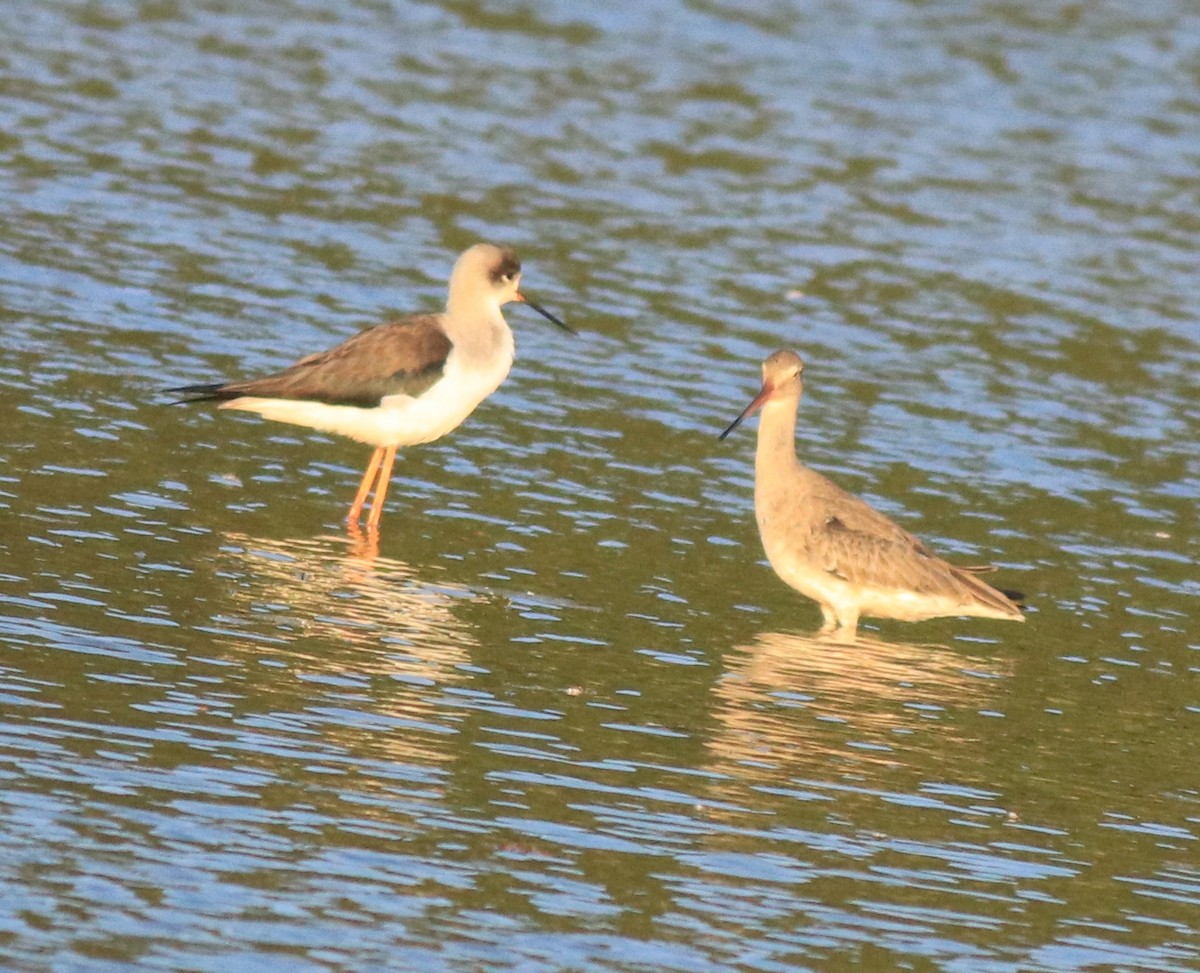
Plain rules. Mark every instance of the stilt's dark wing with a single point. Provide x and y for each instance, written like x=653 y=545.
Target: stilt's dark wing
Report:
x=402 y=358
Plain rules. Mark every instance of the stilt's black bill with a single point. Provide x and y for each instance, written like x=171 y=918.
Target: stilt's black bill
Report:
x=546 y=314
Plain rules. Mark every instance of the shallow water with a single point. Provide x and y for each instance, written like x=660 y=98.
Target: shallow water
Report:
x=564 y=716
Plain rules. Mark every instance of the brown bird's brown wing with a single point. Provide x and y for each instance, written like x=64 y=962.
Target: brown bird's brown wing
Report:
x=852 y=521
x=898 y=561
x=401 y=358
x=895 y=559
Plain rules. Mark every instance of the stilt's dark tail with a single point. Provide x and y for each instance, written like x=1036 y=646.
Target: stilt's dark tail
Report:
x=215 y=392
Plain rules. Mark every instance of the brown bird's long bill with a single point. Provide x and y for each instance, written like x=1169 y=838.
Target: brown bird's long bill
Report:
x=546 y=314
x=749 y=410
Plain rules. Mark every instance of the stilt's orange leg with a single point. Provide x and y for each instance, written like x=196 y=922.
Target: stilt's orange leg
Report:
x=385 y=474
x=365 y=487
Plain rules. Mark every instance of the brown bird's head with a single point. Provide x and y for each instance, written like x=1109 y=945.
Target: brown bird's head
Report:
x=782 y=373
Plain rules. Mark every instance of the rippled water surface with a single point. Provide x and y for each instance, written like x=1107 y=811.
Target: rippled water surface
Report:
x=564 y=716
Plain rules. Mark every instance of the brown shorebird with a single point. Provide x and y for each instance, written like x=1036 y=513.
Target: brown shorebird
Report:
x=834 y=548
x=399 y=384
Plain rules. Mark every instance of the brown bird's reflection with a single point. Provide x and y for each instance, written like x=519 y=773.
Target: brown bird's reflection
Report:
x=792 y=706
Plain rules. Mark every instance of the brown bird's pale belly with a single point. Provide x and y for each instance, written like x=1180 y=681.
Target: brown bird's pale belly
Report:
x=825 y=588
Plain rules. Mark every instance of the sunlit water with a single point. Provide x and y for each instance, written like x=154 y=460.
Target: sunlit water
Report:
x=564 y=716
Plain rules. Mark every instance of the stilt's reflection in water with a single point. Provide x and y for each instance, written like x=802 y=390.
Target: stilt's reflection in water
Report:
x=367 y=647
x=790 y=706
x=326 y=586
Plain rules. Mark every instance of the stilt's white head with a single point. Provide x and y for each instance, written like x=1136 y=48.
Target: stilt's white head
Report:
x=486 y=273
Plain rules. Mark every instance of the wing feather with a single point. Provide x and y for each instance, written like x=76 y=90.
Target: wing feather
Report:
x=401 y=358
x=900 y=562
x=855 y=542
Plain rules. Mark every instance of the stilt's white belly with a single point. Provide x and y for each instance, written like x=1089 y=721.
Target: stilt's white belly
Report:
x=399 y=420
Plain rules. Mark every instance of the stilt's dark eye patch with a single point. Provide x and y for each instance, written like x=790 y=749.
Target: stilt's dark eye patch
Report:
x=508 y=268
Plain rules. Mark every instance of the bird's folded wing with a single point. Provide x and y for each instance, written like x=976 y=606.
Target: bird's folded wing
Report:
x=895 y=560
x=403 y=358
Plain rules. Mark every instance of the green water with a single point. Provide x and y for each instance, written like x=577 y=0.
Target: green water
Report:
x=565 y=717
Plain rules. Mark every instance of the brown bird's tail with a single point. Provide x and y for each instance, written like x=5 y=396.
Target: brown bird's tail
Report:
x=994 y=603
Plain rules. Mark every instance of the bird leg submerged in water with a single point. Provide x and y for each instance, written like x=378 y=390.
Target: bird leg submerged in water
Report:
x=378 y=474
